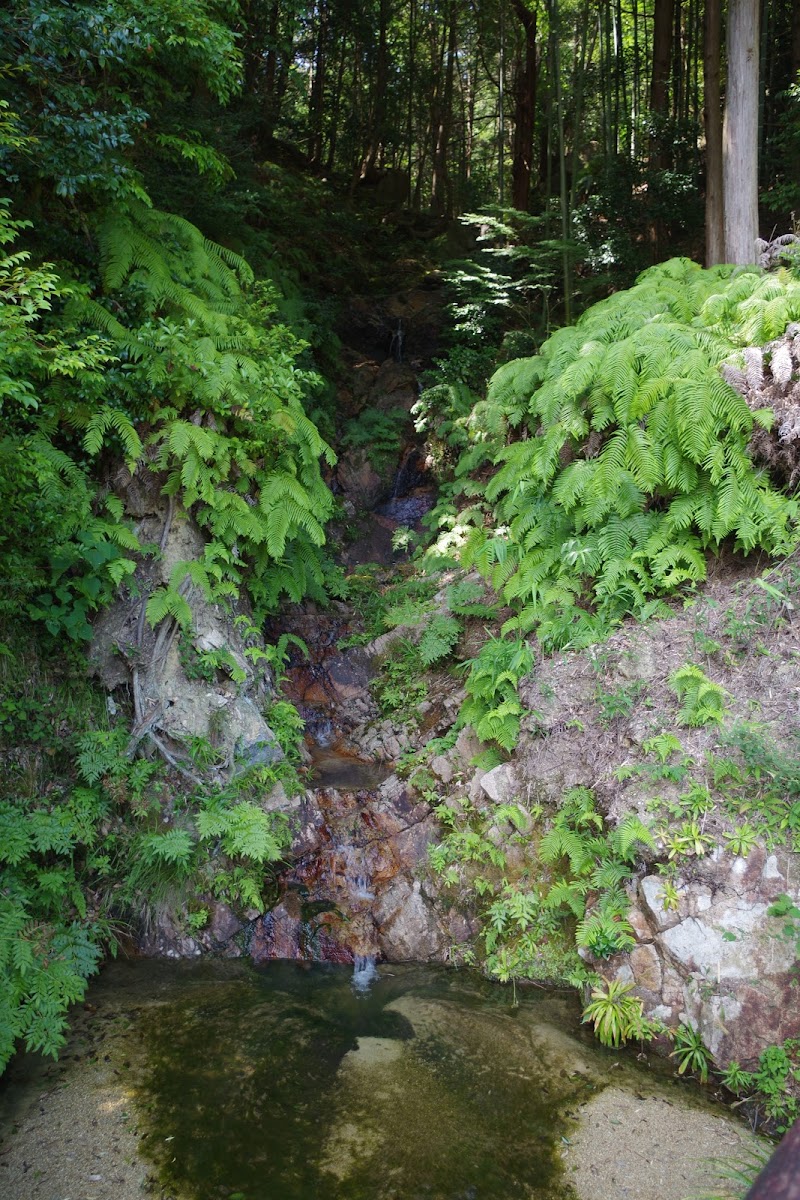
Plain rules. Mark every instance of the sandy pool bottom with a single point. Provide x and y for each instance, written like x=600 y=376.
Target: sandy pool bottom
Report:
x=75 y=1130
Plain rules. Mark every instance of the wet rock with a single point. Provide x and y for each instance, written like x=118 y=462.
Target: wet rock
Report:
x=166 y=937
x=279 y=933
x=359 y=481
x=224 y=924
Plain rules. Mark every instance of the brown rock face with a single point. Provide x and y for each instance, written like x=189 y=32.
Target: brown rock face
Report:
x=353 y=890
x=718 y=961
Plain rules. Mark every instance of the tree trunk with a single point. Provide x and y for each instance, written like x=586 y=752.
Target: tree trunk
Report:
x=663 y=17
x=441 y=200
x=525 y=111
x=715 y=213
x=740 y=132
x=316 y=99
x=380 y=89
x=662 y=46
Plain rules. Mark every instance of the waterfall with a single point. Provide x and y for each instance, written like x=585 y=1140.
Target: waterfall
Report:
x=355 y=871
x=364 y=972
x=396 y=344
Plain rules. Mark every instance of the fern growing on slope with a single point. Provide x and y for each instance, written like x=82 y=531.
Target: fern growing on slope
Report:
x=215 y=380
x=633 y=460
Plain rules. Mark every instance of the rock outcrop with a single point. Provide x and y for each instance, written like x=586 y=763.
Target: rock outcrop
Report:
x=188 y=684
x=715 y=959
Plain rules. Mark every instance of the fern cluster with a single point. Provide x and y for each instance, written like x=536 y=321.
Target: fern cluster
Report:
x=584 y=859
x=619 y=455
x=570 y=897
x=49 y=942
x=215 y=379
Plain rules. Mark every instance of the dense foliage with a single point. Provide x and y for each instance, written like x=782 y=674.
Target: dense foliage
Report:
x=166 y=312
x=127 y=336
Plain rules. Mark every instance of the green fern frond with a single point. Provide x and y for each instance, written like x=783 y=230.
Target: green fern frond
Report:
x=106 y=419
x=165 y=602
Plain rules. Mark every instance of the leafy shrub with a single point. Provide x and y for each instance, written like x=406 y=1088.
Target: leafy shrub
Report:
x=633 y=459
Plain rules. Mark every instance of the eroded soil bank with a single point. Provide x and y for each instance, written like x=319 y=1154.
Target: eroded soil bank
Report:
x=206 y=1080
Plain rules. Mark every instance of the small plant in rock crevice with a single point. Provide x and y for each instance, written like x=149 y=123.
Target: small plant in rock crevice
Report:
x=400 y=686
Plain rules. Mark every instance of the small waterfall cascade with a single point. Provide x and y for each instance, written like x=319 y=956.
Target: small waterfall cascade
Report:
x=364 y=972
x=345 y=861
x=396 y=344
x=354 y=872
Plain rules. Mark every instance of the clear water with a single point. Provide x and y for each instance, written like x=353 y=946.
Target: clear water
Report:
x=332 y=769
x=309 y=1082
x=303 y=1082
x=291 y=1083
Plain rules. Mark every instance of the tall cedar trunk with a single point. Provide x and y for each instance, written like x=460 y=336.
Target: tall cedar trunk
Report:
x=271 y=97
x=379 y=93
x=333 y=123
x=740 y=132
x=622 y=79
x=584 y=53
x=441 y=199
x=525 y=111
x=259 y=42
x=677 y=62
x=410 y=72
x=715 y=212
x=663 y=15
x=566 y=215
x=315 y=106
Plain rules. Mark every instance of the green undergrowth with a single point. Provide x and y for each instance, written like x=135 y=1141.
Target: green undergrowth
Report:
x=533 y=872
x=549 y=883
x=596 y=477
x=95 y=842
x=603 y=470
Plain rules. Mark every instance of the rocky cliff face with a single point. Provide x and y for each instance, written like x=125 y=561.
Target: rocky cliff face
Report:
x=714 y=959
x=196 y=683
x=707 y=952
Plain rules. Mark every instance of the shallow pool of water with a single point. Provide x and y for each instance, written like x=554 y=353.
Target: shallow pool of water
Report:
x=287 y=1083
x=330 y=768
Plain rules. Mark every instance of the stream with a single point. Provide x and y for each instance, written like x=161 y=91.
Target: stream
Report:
x=221 y=1081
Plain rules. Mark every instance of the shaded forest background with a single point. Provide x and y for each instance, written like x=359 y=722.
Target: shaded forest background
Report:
x=191 y=190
